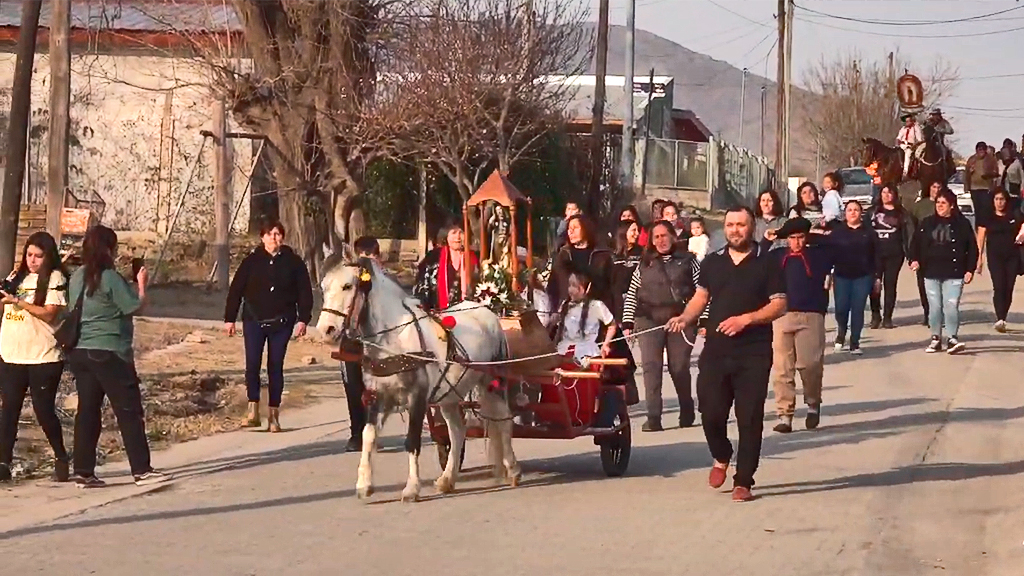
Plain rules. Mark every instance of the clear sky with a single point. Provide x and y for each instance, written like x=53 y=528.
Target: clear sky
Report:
x=741 y=32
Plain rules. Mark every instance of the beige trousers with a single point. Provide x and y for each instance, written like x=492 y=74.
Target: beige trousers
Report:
x=798 y=345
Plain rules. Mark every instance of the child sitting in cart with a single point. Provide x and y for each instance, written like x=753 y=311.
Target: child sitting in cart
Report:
x=581 y=319
x=580 y=324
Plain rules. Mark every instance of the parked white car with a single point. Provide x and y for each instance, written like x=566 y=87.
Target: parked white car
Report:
x=963 y=197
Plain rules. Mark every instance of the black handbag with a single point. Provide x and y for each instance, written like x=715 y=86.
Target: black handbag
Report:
x=70 y=329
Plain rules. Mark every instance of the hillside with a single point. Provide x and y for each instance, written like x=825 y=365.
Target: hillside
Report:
x=711 y=88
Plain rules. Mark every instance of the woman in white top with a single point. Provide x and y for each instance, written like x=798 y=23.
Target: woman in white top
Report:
x=30 y=358
x=581 y=321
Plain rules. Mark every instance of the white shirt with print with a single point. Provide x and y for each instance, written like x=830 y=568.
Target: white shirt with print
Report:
x=25 y=339
x=586 y=344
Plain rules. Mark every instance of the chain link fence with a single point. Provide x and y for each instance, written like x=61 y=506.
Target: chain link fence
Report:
x=729 y=174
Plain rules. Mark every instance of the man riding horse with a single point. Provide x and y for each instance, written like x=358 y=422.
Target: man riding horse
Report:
x=911 y=140
x=920 y=153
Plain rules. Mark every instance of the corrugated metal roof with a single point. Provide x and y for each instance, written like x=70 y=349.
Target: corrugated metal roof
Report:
x=136 y=15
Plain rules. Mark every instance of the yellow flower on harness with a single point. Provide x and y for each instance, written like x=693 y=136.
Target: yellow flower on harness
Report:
x=365 y=276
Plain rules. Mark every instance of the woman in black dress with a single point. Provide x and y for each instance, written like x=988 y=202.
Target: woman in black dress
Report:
x=1000 y=234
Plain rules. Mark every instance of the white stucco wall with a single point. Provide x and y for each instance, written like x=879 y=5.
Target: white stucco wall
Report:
x=116 y=112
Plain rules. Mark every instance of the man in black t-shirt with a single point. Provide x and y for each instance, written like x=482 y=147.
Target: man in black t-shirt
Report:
x=746 y=293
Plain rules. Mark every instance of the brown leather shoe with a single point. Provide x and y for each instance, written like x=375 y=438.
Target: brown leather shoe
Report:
x=273 y=424
x=741 y=494
x=716 y=479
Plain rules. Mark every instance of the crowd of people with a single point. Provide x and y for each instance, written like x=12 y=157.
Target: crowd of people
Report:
x=760 y=300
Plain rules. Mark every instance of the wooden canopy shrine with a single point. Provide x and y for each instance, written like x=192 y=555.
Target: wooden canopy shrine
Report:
x=499 y=190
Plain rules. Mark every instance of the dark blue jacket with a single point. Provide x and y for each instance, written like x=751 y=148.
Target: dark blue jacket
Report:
x=854 y=250
x=805 y=277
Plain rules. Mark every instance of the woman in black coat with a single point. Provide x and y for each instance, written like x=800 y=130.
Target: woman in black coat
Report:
x=273 y=291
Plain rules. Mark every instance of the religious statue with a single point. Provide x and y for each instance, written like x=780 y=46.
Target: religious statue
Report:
x=498 y=226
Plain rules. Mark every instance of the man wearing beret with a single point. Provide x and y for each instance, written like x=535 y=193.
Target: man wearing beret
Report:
x=798 y=343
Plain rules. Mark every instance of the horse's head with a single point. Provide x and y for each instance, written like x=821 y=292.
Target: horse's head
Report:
x=346 y=289
x=872 y=151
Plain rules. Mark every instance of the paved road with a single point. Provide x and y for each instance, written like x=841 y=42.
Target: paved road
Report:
x=916 y=470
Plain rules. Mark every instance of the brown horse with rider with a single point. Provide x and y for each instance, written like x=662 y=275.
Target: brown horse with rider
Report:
x=885 y=163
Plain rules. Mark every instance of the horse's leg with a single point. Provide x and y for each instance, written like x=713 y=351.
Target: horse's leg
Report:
x=413 y=443
x=500 y=421
x=457 y=435
x=364 y=478
x=489 y=413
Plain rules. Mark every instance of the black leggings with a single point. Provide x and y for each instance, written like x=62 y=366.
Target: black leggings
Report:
x=41 y=381
x=1003 y=268
x=890 y=276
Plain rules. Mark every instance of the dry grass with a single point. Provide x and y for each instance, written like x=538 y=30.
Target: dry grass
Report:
x=183 y=401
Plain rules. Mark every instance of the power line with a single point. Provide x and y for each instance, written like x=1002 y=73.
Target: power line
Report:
x=969 y=109
x=734 y=13
x=898 y=35
x=909 y=22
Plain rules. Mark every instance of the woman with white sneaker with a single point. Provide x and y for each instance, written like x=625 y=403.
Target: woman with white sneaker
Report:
x=999 y=236
x=944 y=248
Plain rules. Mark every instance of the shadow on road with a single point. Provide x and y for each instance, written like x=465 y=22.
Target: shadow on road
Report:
x=936 y=472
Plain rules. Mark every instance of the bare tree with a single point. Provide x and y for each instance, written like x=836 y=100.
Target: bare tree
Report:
x=853 y=97
x=473 y=91
x=306 y=79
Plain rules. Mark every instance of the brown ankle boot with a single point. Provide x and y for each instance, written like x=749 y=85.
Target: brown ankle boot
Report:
x=253 y=419
x=273 y=424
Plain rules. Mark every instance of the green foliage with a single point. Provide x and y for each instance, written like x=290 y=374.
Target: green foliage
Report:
x=391 y=201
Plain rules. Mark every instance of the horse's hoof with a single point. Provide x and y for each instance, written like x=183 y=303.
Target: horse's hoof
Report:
x=364 y=492
x=411 y=495
x=516 y=479
x=444 y=485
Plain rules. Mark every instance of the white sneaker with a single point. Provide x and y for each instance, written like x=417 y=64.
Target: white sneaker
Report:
x=150 y=478
x=1001 y=326
x=838 y=346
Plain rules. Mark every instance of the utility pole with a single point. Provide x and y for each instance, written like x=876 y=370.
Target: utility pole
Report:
x=627 y=124
x=743 y=92
x=780 y=105
x=60 y=113
x=17 y=133
x=764 y=106
x=790 y=10
x=647 y=135
x=222 y=172
x=597 y=130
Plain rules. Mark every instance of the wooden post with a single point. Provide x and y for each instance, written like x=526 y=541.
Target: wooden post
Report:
x=222 y=171
x=17 y=133
x=529 y=233
x=60 y=113
x=514 y=247
x=482 y=207
x=466 y=259
x=165 y=182
x=421 y=229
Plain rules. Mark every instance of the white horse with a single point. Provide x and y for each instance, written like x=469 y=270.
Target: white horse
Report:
x=361 y=300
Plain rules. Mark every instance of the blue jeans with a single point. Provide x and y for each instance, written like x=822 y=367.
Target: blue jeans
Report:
x=944 y=305
x=851 y=296
x=276 y=341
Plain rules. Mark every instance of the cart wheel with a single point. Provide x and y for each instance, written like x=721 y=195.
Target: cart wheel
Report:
x=615 y=450
x=443 y=448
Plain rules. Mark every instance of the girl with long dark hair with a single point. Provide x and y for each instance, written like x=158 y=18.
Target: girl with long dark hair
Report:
x=631 y=213
x=894 y=228
x=999 y=236
x=103 y=362
x=627 y=255
x=30 y=358
x=808 y=205
x=769 y=218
